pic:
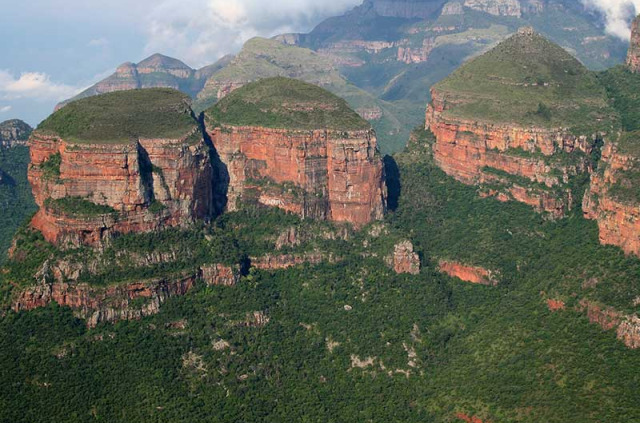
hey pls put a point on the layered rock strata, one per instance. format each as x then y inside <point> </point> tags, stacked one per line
<point>611,199</point>
<point>57,283</point>
<point>321,174</point>
<point>172,175</point>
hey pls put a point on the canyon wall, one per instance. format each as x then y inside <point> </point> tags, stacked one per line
<point>142,185</point>
<point>508,161</point>
<point>633,55</point>
<point>612,201</point>
<point>319,174</point>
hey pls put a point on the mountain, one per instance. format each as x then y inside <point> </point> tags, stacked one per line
<point>156,71</point>
<point>14,132</point>
<point>263,58</point>
<point>297,146</point>
<point>121,162</point>
<point>522,122</point>
<point>396,50</point>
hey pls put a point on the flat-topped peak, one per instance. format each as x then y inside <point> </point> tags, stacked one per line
<point>287,104</point>
<point>123,116</point>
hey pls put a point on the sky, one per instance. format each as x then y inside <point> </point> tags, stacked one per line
<point>52,49</point>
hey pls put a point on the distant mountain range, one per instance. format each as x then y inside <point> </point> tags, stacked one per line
<point>382,56</point>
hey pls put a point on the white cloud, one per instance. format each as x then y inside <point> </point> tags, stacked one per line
<point>618,14</point>
<point>222,26</point>
<point>98,42</point>
<point>5,109</point>
<point>33,85</point>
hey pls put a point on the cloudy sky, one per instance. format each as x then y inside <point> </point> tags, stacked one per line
<point>52,49</point>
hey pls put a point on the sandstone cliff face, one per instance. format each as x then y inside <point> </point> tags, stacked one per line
<point>404,259</point>
<point>472,274</point>
<point>111,304</point>
<point>174,175</point>
<point>509,162</point>
<point>633,56</point>
<point>627,327</point>
<point>617,215</point>
<point>327,175</point>
<point>57,282</point>
<point>14,132</point>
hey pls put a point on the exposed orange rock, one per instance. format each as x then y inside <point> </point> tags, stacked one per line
<point>220,275</point>
<point>470,419</point>
<point>110,304</point>
<point>404,259</point>
<point>618,220</point>
<point>126,177</point>
<point>473,274</point>
<point>321,174</point>
<point>555,305</point>
<point>465,149</point>
<point>633,55</point>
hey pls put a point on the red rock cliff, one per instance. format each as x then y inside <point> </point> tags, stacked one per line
<point>508,161</point>
<point>633,56</point>
<point>609,201</point>
<point>319,174</point>
<point>174,175</point>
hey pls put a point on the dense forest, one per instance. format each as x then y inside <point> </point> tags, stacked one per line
<point>16,201</point>
<point>350,340</point>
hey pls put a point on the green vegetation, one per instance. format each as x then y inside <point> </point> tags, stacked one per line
<point>16,200</point>
<point>494,352</point>
<point>77,206</point>
<point>121,117</point>
<point>51,167</point>
<point>529,80</point>
<point>287,104</point>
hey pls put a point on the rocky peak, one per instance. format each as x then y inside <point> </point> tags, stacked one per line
<point>14,132</point>
<point>633,56</point>
<point>452,8</point>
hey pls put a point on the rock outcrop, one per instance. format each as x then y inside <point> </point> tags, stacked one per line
<point>612,198</point>
<point>90,187</point>
<point>111,304</point>
<point>305,164</point>
<point>633,55</point>
<point>14,132</point>
<point>407,9</point>
<point>473,274</point>
<point>404,259</point>
<point>515,154</point>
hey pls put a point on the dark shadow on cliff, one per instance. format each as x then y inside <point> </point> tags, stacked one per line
<point>392,179</point>
<point>220,172</point>
<point>6,179</point>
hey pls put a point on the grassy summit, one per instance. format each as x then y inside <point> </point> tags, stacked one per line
<point>288,104</point>
<point>122,116</point>
<point>529,80</point>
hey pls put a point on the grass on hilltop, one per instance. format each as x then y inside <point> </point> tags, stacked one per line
<point>288,104</point>
<point>532,81</point>
<point>120,117</point>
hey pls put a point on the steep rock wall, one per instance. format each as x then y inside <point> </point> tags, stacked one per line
<point>175,175</point>
<point>508,161</point>
<point>327,175</point>
<point>618,216</point>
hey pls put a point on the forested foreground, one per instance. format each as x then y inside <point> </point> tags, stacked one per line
<point>351,341</point>
<point>16,201</point>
